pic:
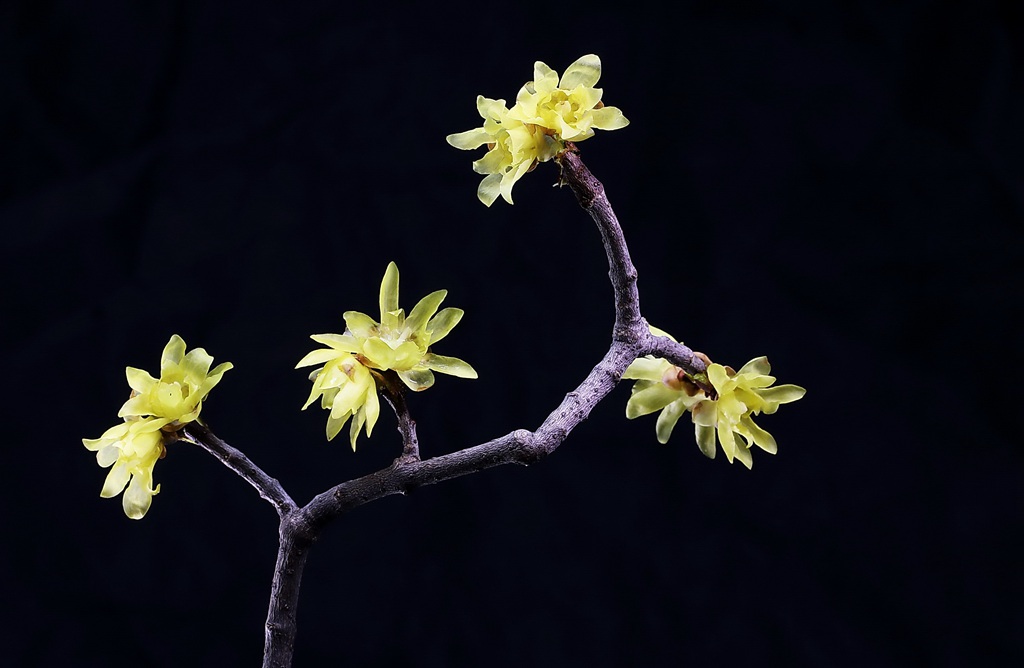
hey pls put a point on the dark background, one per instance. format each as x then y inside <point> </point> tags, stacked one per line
<point>837,185</point>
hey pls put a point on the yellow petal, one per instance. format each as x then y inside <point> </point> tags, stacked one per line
<point>443,323</point>
<point>667,420</point>
<point>417,380</point>
<point>584,72</point>
<point>389,291</point>
<point>469,139</point>
<point>424,309</point>
<point>452,366</point>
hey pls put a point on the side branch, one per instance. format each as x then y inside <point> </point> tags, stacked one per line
<point>269,488</point>
<point>676,353</point>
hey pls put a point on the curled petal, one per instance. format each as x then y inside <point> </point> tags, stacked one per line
<point>667,420</point>
<point>758,366</point>
<point>706,440</point>
<point>139,496</point>
<point>489,189</point>
<point>417,380</point>
<point>609,118</point>
<point>759,436</point>
<point>649,398</point>
<point>783,394</point>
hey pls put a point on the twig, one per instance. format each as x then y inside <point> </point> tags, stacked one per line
<point>394,391</point>
<point>269,488</point>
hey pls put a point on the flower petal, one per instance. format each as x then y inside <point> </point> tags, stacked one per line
<point>343,342</point>
<point>417,379</point>
<point>649,398</point>
<point>469,139</point>
<point>706,440</point>
<point>759,436</point>
<point>424,309</point>
<point>441,324</point>
<point>647,368</point>
<point>584,72</point>
<point>359,324</point>
<point>782,394</point>
<point>452,366</point>
<point>319,356</point>
<point>389,291</point>
<point>489,189</point>
<point>758,366</point>
<point>667,420</point>
<point>173,352</point>
<point>115,481</point>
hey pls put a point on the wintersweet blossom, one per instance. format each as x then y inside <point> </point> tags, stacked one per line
<point>661,386</point>
<point>185,381</point>
<point>548,112</point>
<point>569,106</point>
<point>513,149</point>
<point>346,382</point>
<point>131,450</point>
<point>156,408</point>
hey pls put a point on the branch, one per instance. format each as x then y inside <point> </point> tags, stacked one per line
<point>629,325</point>
<point>269,488</point>
<point>631,338</point>
<point>677,354</point>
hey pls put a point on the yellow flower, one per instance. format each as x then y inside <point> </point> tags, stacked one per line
<point>513,146</point>
<point>185,381</point>
<point>740,394</point>
<point>569,107</point>
<point>665,387</point>
<point>346,388</point>
<point>131,449</point>
<point>397,343</point>
<point>156,406</point>
<point>548,112</point>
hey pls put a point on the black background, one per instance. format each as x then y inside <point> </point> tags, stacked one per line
<point>838,185</point>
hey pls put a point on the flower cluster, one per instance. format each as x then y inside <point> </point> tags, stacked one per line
<point>548,112</point>
<point>346,382</point>
<point>157,406</point>
<point>740,394</point>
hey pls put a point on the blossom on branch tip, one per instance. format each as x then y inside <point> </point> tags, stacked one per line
<point>727,417</point>
<point>157,407</point>
<point>185,381</point>
<point>548,112</point>
<point>346,383</point>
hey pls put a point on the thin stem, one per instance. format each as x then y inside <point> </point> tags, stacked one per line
<point>394,391</point>
<point>269,488</point>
